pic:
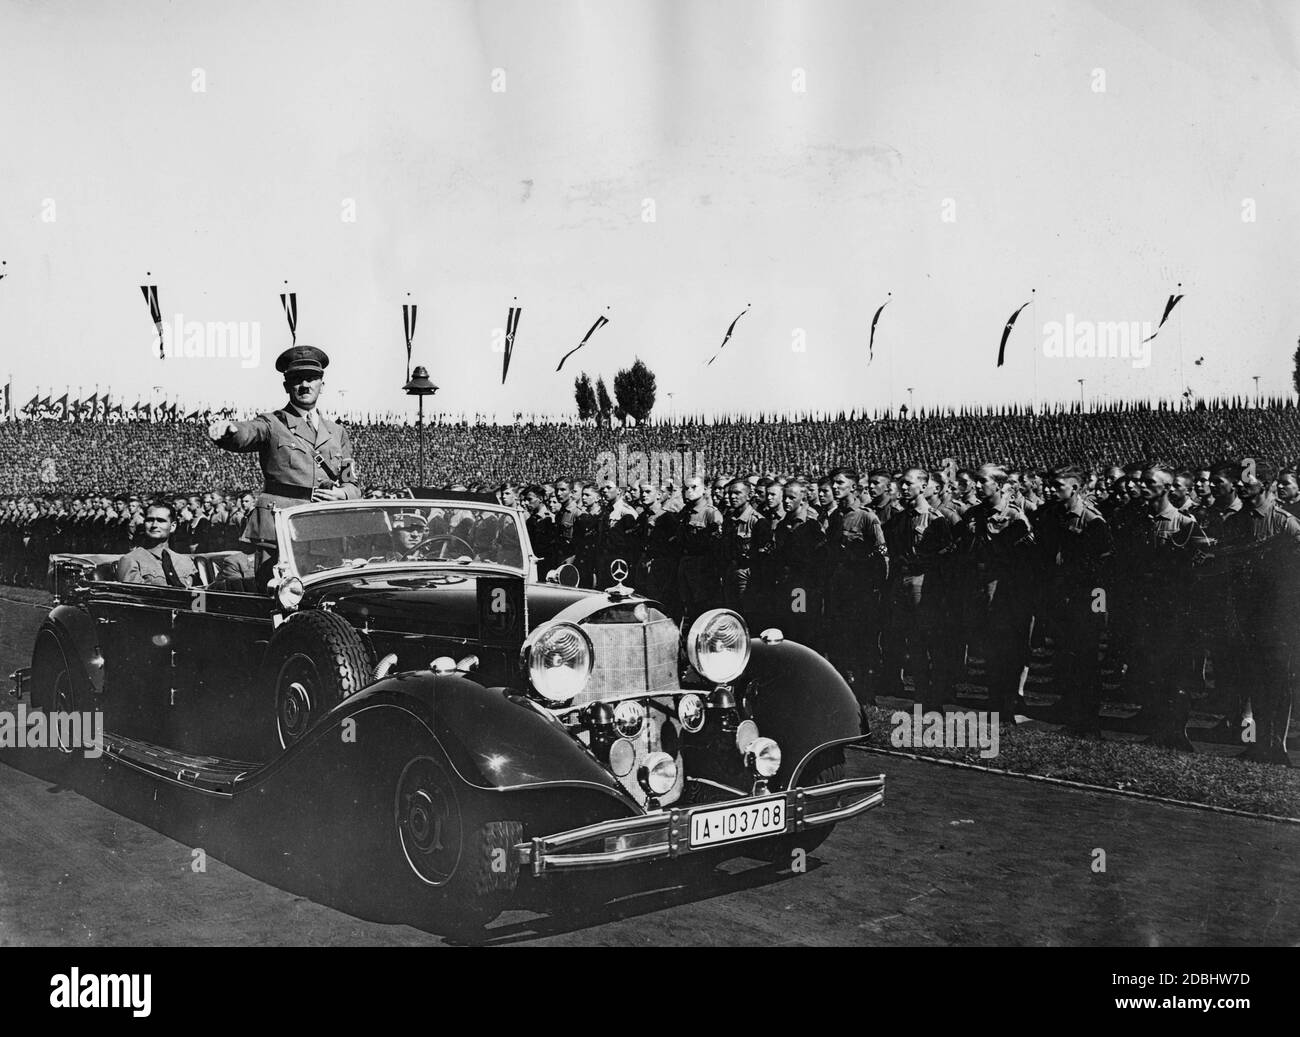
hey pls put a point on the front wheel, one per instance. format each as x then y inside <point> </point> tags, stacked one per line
<point>468,865</point>
<point>783,850</point>
<point>315,661</point>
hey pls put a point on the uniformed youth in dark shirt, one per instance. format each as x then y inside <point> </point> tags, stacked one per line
<point>1077,550</point>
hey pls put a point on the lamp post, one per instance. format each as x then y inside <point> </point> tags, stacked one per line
<point>1080,381</point>
<point>1256,378</point>
<point>911,403</point>
<point>682,447</point>
<point>419,386</point>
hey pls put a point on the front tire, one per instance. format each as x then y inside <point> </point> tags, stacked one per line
<point>782,850</point>
<point>314,662</point>
<point>466,864</point>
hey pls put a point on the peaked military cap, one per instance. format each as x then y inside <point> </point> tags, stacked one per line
<point>302,358</point>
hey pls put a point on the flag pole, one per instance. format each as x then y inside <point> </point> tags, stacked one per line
<point>1033,309</point>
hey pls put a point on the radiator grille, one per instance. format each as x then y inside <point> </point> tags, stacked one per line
<point>631,658</point>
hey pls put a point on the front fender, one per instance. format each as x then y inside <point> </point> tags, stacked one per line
<point>798,698</point>
<point>494,739</point>
<point>79,635</point>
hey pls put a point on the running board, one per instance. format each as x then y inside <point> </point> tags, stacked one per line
<point>210,774</point>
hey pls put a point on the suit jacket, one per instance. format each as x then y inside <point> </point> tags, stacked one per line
<point>295,460</point>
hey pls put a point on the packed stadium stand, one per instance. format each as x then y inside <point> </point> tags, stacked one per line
<point>50,456</point>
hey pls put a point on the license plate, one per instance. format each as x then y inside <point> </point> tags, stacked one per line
<point>727,824</point>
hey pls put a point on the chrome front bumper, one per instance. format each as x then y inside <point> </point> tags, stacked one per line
<point>666,833</point>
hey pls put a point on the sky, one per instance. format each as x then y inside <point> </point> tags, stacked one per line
<point>666,164</point>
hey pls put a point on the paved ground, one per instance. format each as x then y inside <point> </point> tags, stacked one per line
<point>952,857</point>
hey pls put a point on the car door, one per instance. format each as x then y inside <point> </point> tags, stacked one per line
<point>220,641</point>
<point>134,622</point>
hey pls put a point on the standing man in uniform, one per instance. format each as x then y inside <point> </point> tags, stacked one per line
<point>1209,622</point>
<point>304,455</point>
<point>1261,543</point>
<point>738,523</point>
<point>656,576</point>
<point>1156,550</point>
<point>541,529</point>
<point>917,537</point>
<point>998,536</point>
<point>1077,548</point>
<point>857,566</point>
<point>794,601</point>
<point>586,537</point>
<point>699,536</point>
<point>880,499</point>
<point>564,518</point>
<point>617,533</point>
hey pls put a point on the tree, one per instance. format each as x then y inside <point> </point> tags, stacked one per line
<point>635,389</point>
<point>585,396</point>
<point>604,407</point>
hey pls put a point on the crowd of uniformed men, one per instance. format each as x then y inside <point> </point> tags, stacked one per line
<point>1186,574</point>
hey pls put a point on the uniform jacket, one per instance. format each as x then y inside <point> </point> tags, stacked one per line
<point>145,565</point>
<point>917,539</point>
<point>855,549</point>
<point>999,540</point>
<point>564,520</point>
<point>1160,548</point>
<point>699,532</point>
<point>294,457</point>
<point>1261,546</point>
<point>542,537</point>
<point>797,550</point>
<point>1076,545</point>
<point>738,537</point>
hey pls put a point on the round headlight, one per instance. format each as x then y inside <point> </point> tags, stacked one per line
<point>290,593</point>
<point>658,774</point>
<point>764,756</point>
<point>629,718</point>
<point>746,735</point>
<point>718,646</point>
<point>690,711</point>
<point>559,662</point>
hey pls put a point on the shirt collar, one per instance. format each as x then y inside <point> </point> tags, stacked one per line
<point>303,415</point>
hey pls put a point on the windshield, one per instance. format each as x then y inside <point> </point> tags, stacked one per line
<point>334,538</point>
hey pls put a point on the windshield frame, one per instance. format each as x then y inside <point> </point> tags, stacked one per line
<point>283,517</point>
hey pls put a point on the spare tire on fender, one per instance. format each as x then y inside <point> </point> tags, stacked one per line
<point>314,661</point>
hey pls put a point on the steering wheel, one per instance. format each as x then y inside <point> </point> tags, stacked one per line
<point>469,549</point>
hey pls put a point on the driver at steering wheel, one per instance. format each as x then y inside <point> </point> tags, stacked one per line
<point>409,528</point>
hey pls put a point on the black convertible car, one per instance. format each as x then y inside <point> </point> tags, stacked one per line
<point>435,722</point>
